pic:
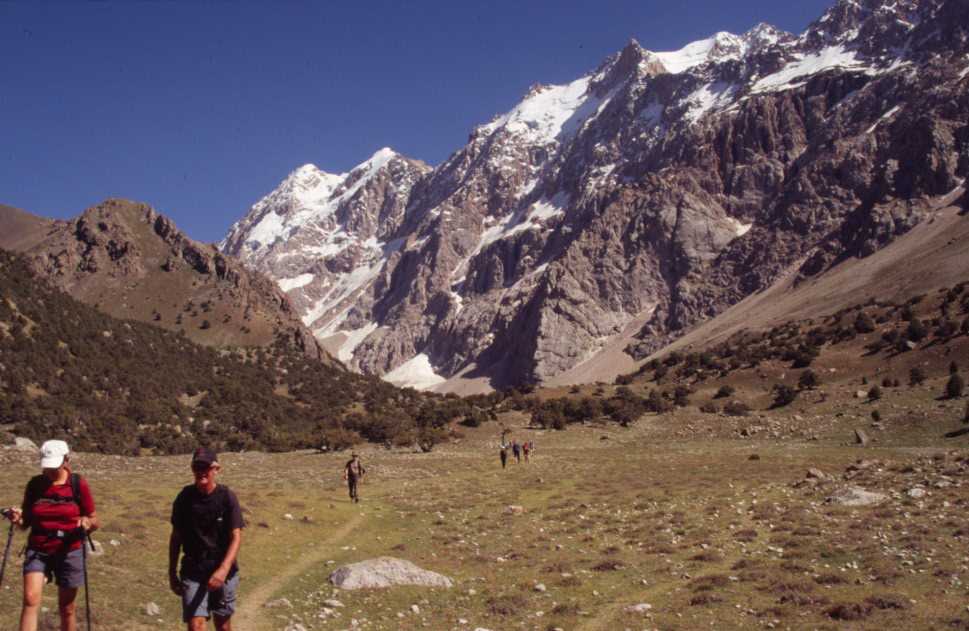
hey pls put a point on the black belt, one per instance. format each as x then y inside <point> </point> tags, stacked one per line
<point>57,534</point>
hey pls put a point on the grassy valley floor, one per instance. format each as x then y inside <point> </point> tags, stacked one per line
<point>710,530</point>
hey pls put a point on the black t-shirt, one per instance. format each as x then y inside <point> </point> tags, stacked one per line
<point>355,471</point>
<point>205,524</point>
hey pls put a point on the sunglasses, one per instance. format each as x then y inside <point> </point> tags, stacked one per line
<point>201,467</point>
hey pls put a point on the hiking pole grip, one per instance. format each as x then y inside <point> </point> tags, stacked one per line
<point>6,553</point>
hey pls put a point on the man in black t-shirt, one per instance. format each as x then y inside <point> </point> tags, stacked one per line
<point>353,472</point>
<point>207,526</point>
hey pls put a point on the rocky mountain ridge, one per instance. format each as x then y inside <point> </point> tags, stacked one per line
<point>636,201</point>
<point>131,262</point>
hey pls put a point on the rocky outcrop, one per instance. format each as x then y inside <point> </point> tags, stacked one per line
<point>652,193</point>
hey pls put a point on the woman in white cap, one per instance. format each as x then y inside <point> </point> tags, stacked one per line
<point>58,508</point>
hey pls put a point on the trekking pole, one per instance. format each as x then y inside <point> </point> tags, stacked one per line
<point>85,541</point>
<point>6,551</point>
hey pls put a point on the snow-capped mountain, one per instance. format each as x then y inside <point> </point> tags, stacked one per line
<point>325,237</point>
<point>637,200</point>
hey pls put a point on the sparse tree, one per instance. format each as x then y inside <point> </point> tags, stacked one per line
<point>709,408</point>
<point>953,368</point>
<point>808,380</point>
<point>736,408</point>
<point>681,396</point>
<point>875,393</point>
<point>724,392</point>
<point>863,323</point>
<point>916,376</point>
<point>916,331</point>
<point>783,395</point>
<point>955,386</point>
<point>876,415</point>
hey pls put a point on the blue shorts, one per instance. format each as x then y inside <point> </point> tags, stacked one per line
<point>198,602</point>
<point>68,569</point>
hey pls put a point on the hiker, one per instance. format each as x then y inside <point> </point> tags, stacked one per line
<point>526,447</point>
<point>59,510</point>
<point>516,450</point>
<point>353,472</point>
<point>503,453</point>
<point>207,526</point>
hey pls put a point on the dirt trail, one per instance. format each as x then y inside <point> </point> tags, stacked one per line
<point>249,614</point>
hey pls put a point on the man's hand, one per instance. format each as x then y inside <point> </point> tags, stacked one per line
<point>217,580</point>
<point>175,584</point>
<point>85,523</point>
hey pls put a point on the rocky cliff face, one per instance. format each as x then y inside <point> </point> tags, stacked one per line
<point>131,262</point>
<point>645,196</point>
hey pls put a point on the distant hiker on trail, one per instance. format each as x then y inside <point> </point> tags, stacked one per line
<point>503,453</point>
<point>353,472</point>
<point>517,451</point>
<point>59,510</point>
<point>207,526</point>
<point>526,448</point>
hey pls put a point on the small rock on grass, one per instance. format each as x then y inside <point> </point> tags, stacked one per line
<point>279,603</point>
<point>640,608</point>
<point>152,609</point>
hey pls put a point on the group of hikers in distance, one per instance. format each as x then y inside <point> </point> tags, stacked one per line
<point>518,450</point>
<point>58,508</point>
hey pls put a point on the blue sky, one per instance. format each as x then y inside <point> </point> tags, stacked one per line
<point>201,108</point>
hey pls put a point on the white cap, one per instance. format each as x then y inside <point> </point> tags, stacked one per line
<point>52,454</point>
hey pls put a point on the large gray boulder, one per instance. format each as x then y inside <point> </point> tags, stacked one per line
<point>385,572</point>
<point>856,496</point>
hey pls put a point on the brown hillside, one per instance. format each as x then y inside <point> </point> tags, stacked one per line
<point>131,262</point>
<point>19,230</point>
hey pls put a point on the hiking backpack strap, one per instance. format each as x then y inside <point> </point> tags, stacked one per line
<point>76,490</point>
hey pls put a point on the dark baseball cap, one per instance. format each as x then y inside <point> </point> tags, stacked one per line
<point>204,455</point>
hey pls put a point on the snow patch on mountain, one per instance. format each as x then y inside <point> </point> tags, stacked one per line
<point>417,373</point>
<point>887,115</point>
<point>739,228</point>
<point>288,284</point>
<point>548,112</point>
<point>807,66</point>
<point>709,97</point>
<point>353,339</point>
<point>721,46</point>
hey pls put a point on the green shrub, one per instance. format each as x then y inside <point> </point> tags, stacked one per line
<point>783,395</point>
<point>736,408</point>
